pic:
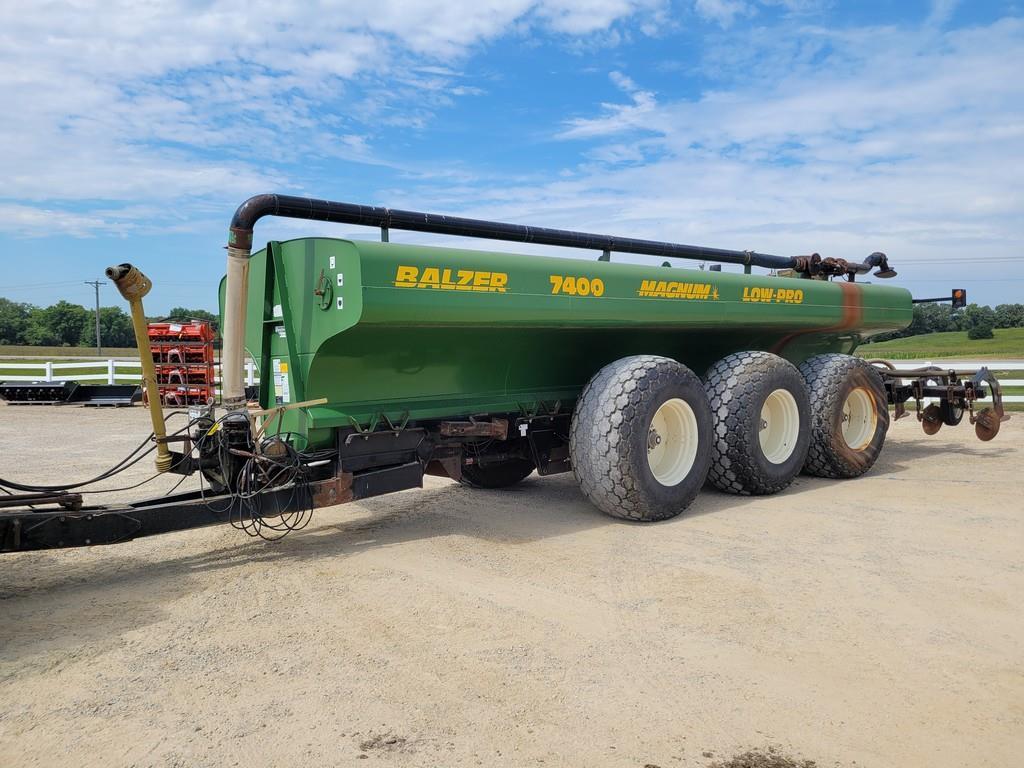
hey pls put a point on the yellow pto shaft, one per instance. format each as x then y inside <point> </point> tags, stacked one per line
<point>133,285</point>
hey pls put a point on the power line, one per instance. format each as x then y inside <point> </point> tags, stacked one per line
<point>36,285</point>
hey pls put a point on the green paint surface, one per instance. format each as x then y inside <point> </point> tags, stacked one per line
<point>468,332</point>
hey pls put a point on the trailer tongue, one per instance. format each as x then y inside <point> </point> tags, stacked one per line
<point>382,362</point>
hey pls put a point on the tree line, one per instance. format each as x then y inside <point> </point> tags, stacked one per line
<point>71,325</point>
<point>978,320</point>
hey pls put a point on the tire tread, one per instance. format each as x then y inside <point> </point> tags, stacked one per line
<point>826,376</point>
<point>603,433</point>
<point>731,385</point>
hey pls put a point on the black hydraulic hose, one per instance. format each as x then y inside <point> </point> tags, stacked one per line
<point>288,206</point>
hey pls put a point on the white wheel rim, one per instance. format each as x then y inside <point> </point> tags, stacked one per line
<point>780,426</point>
<point>672,442</point>
<point>859,419</point>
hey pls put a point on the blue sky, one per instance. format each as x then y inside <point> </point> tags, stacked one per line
<point>132,130</point>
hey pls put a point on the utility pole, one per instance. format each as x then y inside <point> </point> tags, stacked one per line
<point>96,284</point>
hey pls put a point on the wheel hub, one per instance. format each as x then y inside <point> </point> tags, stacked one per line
<point>859,419</point>
<point>780,426</point>
<point>672,442</point>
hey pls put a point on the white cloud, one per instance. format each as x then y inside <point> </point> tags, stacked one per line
<point>894,140</point>
<point>841,140</point>
<point>177,101</point>
<point>724,12</point>
<point>583,17</point>
<point>617,117</point>
<point>941,12</point>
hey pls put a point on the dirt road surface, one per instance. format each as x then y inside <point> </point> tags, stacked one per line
<point>874,622</point>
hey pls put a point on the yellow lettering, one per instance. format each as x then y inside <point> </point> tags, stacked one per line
<point>450,279</point>
<point>406,275</point>
<point>672,289</point>
<point>581,286</point>
<point>431,278</point>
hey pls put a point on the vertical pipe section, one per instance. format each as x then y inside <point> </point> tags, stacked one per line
<point>133,285</point>
<point>236,297</point>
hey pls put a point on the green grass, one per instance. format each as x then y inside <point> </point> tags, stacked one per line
<point>1007,344</point>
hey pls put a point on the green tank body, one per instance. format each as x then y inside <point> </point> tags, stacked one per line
<point>394,332</point>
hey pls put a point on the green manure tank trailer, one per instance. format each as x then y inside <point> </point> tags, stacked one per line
<point>380,362</point>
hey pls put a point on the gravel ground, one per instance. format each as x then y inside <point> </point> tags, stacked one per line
<point>874,622</point>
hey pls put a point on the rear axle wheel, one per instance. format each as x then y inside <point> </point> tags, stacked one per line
<point>849,415</point>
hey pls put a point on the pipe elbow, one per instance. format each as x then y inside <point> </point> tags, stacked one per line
<point>881,262</point>
<point>245,218</point>
<point>252,210</point>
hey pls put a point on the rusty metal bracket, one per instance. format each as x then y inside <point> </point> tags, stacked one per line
<point>496,428</point>
<point>987,421</point>
<point>334,490</point>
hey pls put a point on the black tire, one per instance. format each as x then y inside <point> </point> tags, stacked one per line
<point>499,475</point>
<point>738,388</point>
<point>831,381</point>
<point>611,433</point>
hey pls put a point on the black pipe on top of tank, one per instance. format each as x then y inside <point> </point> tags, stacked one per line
<point>288,206</point>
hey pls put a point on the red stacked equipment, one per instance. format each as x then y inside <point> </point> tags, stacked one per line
<point>183,356</point>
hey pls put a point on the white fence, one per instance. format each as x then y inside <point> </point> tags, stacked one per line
<point>107,371</point>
